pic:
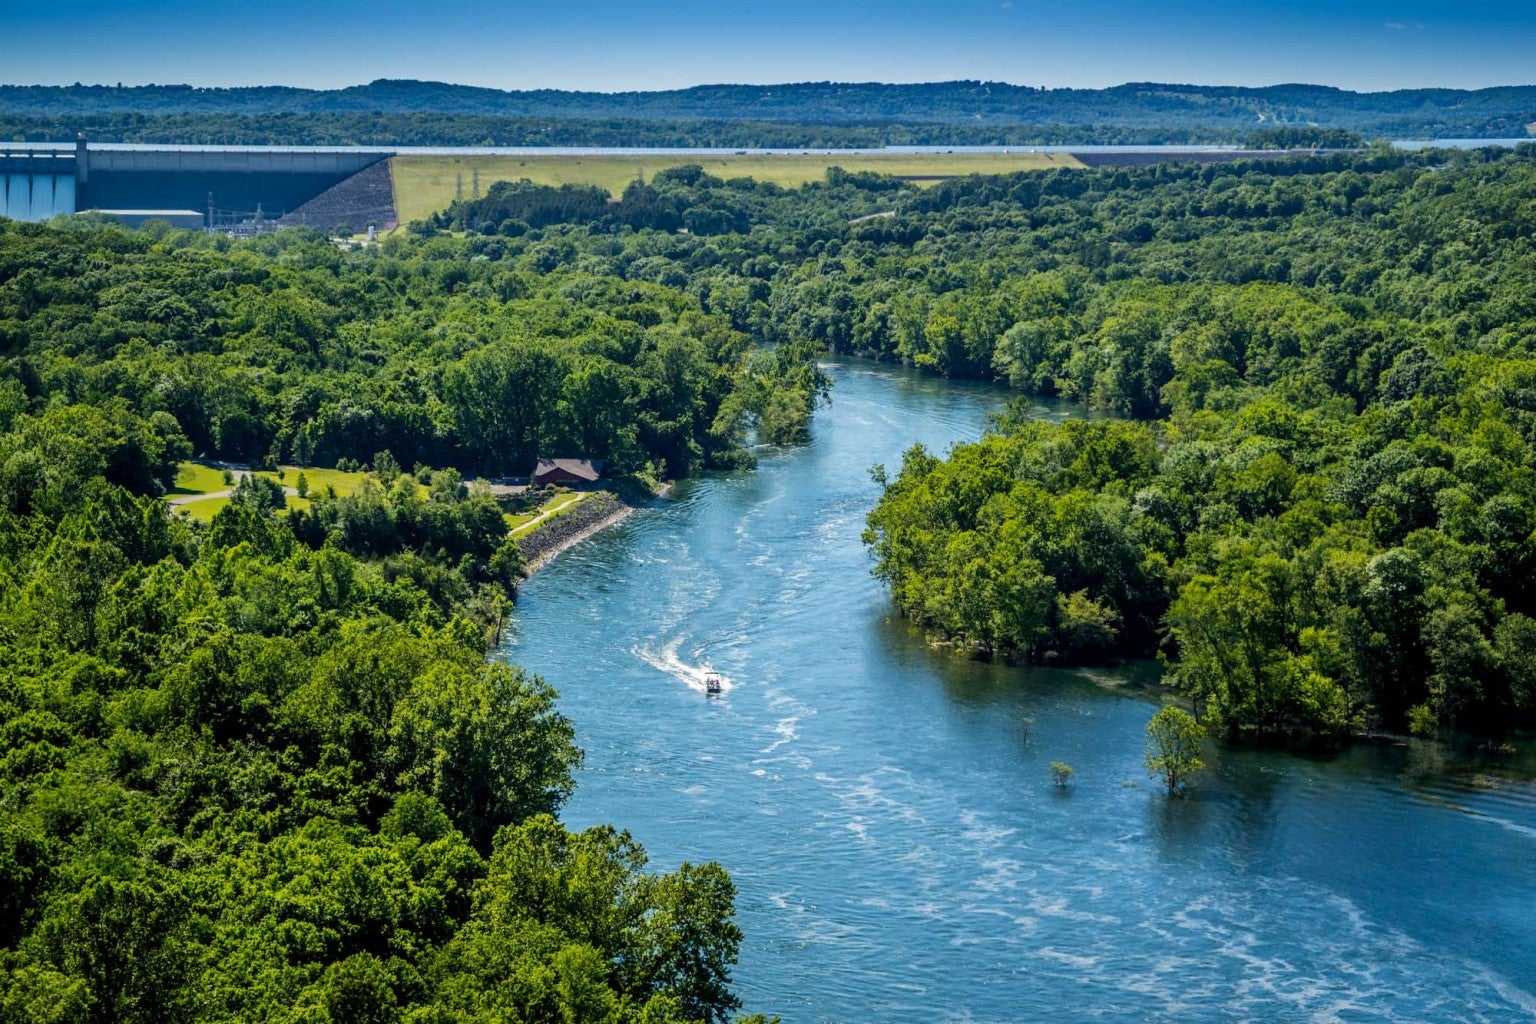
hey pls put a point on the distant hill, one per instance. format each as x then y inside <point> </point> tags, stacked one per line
<point>1502,111</point>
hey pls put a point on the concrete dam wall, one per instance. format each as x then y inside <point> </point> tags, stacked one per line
<point>38,182</point>
<point>36,185</point>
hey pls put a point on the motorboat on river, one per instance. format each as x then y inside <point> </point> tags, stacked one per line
<point>712,685</point>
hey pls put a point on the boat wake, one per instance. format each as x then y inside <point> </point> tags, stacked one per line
<point>668,661</point>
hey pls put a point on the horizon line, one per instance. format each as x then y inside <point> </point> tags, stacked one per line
<point>763,85</point>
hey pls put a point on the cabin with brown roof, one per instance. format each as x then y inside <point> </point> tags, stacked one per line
<point>572,472</point>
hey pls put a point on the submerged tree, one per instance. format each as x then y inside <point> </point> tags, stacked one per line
<point>1174,744</point>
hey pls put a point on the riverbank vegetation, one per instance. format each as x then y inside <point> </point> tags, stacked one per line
<point>1319,506</point>
<point>1316,500</point>
<point>480,353</point>
<point>261,767</point>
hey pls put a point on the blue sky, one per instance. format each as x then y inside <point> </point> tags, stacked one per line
<point>646,44</point>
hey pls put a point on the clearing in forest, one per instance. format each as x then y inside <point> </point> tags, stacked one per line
<point>426,184</point>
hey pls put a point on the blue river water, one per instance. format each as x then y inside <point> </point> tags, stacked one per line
<point>886,810</point>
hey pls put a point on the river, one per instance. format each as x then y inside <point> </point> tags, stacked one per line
<point>886,808</point>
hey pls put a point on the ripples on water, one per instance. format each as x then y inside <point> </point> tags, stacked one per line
<point>887,813</point>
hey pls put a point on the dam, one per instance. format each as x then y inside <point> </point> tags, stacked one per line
<point>37,184</point>
<point>220,184</point>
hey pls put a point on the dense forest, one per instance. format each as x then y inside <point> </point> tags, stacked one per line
<point>1315,496</point>
<point>1137,104</point>
<point>432,129</point>
<point>261,769</point>
<point>435,129</point>
<point>812,114</point>
<point>1319,499</point>
<point>480,354</point>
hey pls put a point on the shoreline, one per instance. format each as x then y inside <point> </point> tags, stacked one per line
<point>609,518</point>
<point>564,532</point>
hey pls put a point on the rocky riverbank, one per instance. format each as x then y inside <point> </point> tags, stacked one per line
<point>595,513</point>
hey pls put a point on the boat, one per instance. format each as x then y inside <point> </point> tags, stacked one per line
<point>712,685</point>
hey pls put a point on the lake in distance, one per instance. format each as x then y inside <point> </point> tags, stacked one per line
<point>886,808</point>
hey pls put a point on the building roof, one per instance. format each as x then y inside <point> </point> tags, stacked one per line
<point>150,213</point>
<point>583,469</point>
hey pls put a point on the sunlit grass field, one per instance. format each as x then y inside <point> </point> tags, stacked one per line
<point>319,480</point>
<point>203,511</point>
<point>196,478</point>
<point>425,184</point>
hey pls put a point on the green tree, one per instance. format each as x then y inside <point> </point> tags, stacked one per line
<point>486,743</point>
<point>1175,743</point>
<point>386,466</point>
<point>129,941</point>
<point>689,941</point>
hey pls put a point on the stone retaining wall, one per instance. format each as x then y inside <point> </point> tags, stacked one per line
<point>563,530</point>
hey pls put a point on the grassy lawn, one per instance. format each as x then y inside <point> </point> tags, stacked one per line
<point>319,480</point>
<point>196,478</point>
<point>424,184</point>
<point>203,511</point>
<point>514,521</point>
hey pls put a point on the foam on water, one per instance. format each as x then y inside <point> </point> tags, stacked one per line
<point>693,676</point>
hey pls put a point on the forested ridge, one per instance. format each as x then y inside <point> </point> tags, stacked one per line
<point>1145,104</point>
<point>435,129</point>
<point>813,114</point>
<point>392,130</point>
<point>262,769</point>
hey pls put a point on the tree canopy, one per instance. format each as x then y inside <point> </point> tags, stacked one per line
<point>1317,503</point>
<point>261,768</point>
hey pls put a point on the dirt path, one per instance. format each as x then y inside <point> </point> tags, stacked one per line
<point>545,513</point>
